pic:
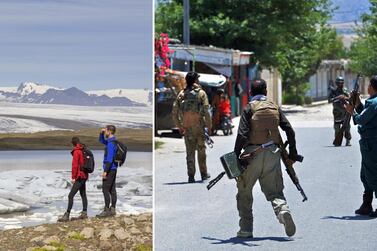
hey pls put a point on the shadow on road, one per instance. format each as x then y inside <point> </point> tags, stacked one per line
<point>246,242</point>
<point>354,217</point>
<point>182,183</point>
<point>233,240</point>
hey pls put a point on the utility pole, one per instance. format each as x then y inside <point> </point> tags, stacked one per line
<point>186,28</point>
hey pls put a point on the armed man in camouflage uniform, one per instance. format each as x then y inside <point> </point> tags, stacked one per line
<point>259,124</point>
<point>338,97</point>
<point>191,116</point>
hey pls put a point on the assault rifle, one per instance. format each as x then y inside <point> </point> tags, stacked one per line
<point>208,139</point>
<point>232,166</point>
<point>339,136</point>
<point>290,170</point>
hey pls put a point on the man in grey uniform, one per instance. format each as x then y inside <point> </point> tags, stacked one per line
<point>258,125</point>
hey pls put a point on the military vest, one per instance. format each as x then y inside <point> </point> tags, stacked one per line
<point>190,101</point>
<point>264,122</point>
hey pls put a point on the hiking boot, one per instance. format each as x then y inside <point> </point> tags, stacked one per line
<point>205,176</point>
<point>105,213</point>
<point>366,207</point>
<point>191,179</point>
<point>64,217</point>
<point>244,234</point>
<point>348,142</point>
<point>113,211</point>
<point>285,218</point>
<point>83,215</point>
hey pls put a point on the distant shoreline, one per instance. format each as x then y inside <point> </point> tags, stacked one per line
<point>137,140</point>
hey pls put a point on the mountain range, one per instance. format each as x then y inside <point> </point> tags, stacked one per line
<point>29,92</point>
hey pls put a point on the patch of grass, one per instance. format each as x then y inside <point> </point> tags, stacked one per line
<point>57,245</point>
<point>77,236</point>
<point>143,247</point>
<point>158,144</point>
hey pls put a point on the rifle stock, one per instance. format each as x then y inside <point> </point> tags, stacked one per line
<point>339,136</point>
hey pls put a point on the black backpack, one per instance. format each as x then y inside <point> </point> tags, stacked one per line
<point>121,153</point>
<point>88,166</point>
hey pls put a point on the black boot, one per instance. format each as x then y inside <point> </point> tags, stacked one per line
<point>373,214</point>
<point>366,207</point>
<point>191,179</point>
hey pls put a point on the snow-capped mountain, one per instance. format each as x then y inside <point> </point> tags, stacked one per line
<point>30,92</point>
<point>143,96</point>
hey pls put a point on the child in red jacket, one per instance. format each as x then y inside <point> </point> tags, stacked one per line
<point>79,179</point>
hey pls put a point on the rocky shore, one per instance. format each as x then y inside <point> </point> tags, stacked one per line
<point>123,232</point>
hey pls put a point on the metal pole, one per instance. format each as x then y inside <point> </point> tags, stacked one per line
<point>186,28</point>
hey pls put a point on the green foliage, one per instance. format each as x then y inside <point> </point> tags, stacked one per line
<point>363,53</point>
<point>77,236</point>
<point>291,35</point>
<point>158,144</point>
<point>143,247</point>
<point>296,94</point>
<point>57,245</point>
<point>169,19</point>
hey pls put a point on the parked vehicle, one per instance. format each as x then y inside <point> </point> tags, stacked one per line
<point>167,89</point>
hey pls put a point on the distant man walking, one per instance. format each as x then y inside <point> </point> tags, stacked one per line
<point>191,116</point>
<point>107,138</point>
<point>259,124</point>
<point>365,116</point>
<point>338,97</point>
<point>79,178</point>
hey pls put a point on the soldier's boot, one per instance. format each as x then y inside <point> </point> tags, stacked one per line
<point>286,219</point>
<point>83,216</point>
<point>244,234</point>
<point>105,213</point>
<point>64,217</point>
<point>348,142</point>
<point>205,176</point>
<point>373,214</point>
<point>366,207</point>
<point>191,179</point>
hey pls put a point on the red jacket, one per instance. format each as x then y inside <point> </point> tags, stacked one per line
<point>224,107</point>
<point>77,163</point>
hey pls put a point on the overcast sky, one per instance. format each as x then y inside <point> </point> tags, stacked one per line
<point>90,44</point>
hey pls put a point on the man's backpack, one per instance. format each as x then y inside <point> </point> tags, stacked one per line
<point>120,154</point>
<point>88,166</point>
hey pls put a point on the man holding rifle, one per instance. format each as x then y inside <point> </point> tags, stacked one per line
<point>338,97</point>
<point>191,116</point>
<point>365,116</point>
<point>258,125</point>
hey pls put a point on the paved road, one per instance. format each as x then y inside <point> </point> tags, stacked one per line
<point>188,217</point>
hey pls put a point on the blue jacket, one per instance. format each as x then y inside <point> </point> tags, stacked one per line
<point>110,151</point>
<point>366,118</point>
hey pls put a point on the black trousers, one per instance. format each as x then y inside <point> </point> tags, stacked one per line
<point>109,189</point>
<point>79,185</point>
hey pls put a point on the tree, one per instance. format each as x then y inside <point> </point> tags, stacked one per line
<point>290,35</point>
<point>363,53</point>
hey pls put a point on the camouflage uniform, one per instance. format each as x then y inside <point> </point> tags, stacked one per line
<point>190,113</point>
<point>259,124</point>
<point>339,111</point>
